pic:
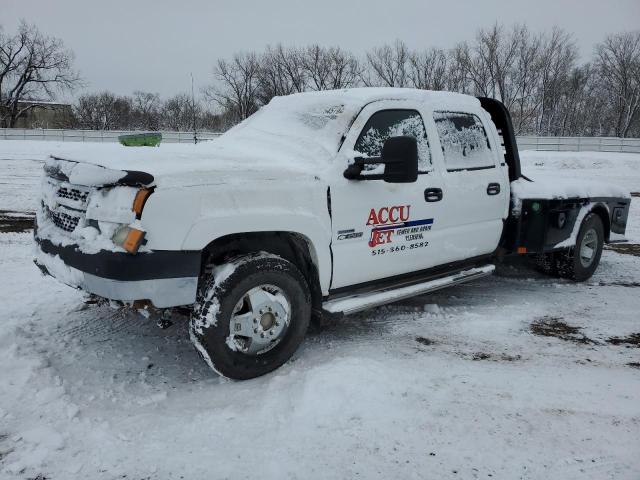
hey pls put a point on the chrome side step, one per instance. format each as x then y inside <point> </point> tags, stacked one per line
<point>358,302</point>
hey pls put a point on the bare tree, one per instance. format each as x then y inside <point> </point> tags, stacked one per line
<point>559,80</point>
<point>103,111</point>
<point>146,110</point>
<point>429,69</point>
<point>387,66</point>
<point>330,68</point>
<point>237,88</point>
<point>618,65</point>
<point>32,65</point>
<point>179,111</point>
<point>282,72</point>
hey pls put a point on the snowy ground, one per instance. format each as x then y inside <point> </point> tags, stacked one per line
<point>486,380</point>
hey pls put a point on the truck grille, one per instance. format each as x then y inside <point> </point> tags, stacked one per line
<point>73,194</point>
<point>65,204</point>
<point>64,221</point>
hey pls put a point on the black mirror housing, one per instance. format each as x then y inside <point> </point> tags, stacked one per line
<point>400,159</point>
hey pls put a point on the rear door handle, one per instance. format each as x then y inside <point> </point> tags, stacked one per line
<point>493,189</point>
<point>433,195</point>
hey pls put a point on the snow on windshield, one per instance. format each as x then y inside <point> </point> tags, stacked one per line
<point>463,140</point>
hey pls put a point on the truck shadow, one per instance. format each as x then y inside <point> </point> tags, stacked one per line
<point>16,222</point>
<point>120,347</point>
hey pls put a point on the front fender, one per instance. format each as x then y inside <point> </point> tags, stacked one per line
<point>192,218</point>
<point>316,234</point>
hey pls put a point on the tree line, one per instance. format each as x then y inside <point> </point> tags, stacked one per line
<point>540,77</point>
<point>145,111</point>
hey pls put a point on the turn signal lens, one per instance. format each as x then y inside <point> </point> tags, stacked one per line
<point>138,202</point>
<point>128,238</point>
<point>133,241</point>
<point>522,250</point>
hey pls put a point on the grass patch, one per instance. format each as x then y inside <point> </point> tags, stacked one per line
<point>556,327</point>
<point>625,248</point>
<point>632,340</point>
<point>424,341</point>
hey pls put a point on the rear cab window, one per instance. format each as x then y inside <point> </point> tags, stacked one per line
<point>464,141</point>
<point>393,123</point>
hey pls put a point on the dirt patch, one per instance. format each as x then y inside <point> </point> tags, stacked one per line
<point>16,222</point>
<point>632,340</point>
<point>510,358</point>
<point>4,453</point>
<point>481,356</point>
<point>556,327</point>
<point>625,248</point>
<point>620,284</point>
<point>634,364</point>
<point>424,341</point>
<point>489,356</point>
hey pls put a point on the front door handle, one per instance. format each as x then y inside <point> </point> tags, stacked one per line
<point>493,189</point>
<point>433,195</point>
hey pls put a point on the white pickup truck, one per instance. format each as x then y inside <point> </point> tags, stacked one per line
<point>320,203</point>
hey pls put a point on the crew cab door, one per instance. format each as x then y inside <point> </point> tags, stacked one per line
<point>475,182</point>
<point>383,229</point>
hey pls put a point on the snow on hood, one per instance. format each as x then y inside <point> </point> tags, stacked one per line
<point>296,136</point>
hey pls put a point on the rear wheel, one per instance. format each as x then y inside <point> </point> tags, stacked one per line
<point>251,315</point>
<point>580,262</point>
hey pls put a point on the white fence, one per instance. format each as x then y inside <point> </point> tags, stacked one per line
<point>59,135</point>
<point>556,144</point>
<point>580,144</point>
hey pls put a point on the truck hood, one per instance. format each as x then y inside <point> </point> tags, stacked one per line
<point>212,162</point>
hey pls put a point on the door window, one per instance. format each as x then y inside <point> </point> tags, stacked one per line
<point>464,141</point>
<point>393,123</point>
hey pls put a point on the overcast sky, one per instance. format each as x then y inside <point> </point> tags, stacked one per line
<point>152,45</point>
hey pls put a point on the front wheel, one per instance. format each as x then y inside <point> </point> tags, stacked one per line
<point>580,262</point>
<point>251,315</point>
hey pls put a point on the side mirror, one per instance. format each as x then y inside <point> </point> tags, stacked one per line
<point>400,160</point>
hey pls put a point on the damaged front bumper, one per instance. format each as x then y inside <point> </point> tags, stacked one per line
<point>165,278</point>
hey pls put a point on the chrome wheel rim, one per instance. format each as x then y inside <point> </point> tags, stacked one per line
<point>588,248</point>
<point>260,320</point>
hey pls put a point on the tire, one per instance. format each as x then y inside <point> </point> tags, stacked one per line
<point>267,300</point>
<point>575,263</point>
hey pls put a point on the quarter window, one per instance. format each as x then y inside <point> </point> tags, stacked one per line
<point>393,123</point>
<point>464,141</point>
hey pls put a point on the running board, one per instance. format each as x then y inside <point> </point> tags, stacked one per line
<point>358,302</point>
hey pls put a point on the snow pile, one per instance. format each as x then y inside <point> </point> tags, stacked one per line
<point>551,187</point>
<point>84,173</point>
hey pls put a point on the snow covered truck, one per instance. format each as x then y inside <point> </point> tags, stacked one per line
<point>322,203</point>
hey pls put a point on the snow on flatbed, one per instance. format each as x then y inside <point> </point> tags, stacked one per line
<point>513,376</point>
